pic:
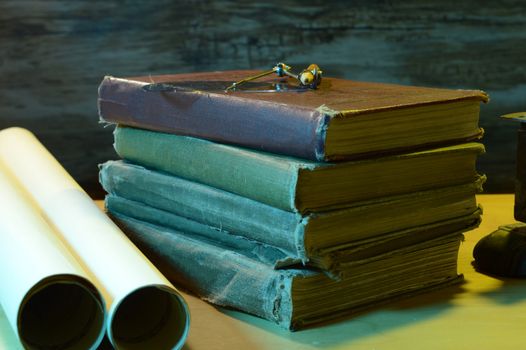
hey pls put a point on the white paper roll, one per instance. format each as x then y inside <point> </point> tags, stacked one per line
<point>47,297</point>
<point>144,310</point>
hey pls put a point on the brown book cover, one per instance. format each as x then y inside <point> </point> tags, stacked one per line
<point>341,119</point>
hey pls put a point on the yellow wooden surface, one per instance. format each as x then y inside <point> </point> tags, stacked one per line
<point>483,313</point>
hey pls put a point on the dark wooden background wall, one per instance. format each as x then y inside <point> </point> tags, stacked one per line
<point>53,55</point>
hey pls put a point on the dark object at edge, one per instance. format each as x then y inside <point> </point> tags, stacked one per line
<point>520,181</point>
<point>503,252</point>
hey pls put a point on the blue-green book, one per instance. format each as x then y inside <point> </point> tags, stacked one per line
<point>294,184</point>
<point>325,240</point>
<point>293,298</point>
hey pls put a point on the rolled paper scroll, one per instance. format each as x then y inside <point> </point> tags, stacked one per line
<point>47,297</point>
<point>144,310</point>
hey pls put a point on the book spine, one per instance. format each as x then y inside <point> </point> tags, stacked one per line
<point>221,117</point>
<point>216,274</point>
<point>221,210</point>
<point>267,254</point>
<point>265,179</point>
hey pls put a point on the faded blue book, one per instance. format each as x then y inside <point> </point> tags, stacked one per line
<point>293,298</point>
<point>312,237</point>
<point>293,184</point>
<point>256,250</point>
<point>334,264</point>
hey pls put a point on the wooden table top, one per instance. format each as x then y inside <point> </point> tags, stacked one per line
<point>483,313</point>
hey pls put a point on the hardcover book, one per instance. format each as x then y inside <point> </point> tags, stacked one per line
<point>318,238</point>
<point>294,298</point>
<point>294,184</point>
<point>341,119</point>
<point>333,262</point>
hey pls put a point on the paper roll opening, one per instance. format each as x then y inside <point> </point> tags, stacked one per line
<point>153,317</point>
<point>65,313</point>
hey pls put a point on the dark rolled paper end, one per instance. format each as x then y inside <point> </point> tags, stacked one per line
<point>153,317</point>
<point>62,312</point>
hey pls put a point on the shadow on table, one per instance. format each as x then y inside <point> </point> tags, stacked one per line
<point>106,345</point>
<point>510,291</point>
<point>358,325</point>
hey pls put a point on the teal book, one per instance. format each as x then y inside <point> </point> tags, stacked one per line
<point>334,263</point>
<point>172,201</point>
<point>293,298</point>
<point>294,184</point>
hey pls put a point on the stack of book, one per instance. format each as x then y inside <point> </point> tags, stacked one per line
<point>298,207</point>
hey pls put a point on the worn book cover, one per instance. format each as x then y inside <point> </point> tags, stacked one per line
<point>294,298</point>
<point>294,184</point>
<point>187,206</point>
<point>332,261</point>
<point>340,119</point>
